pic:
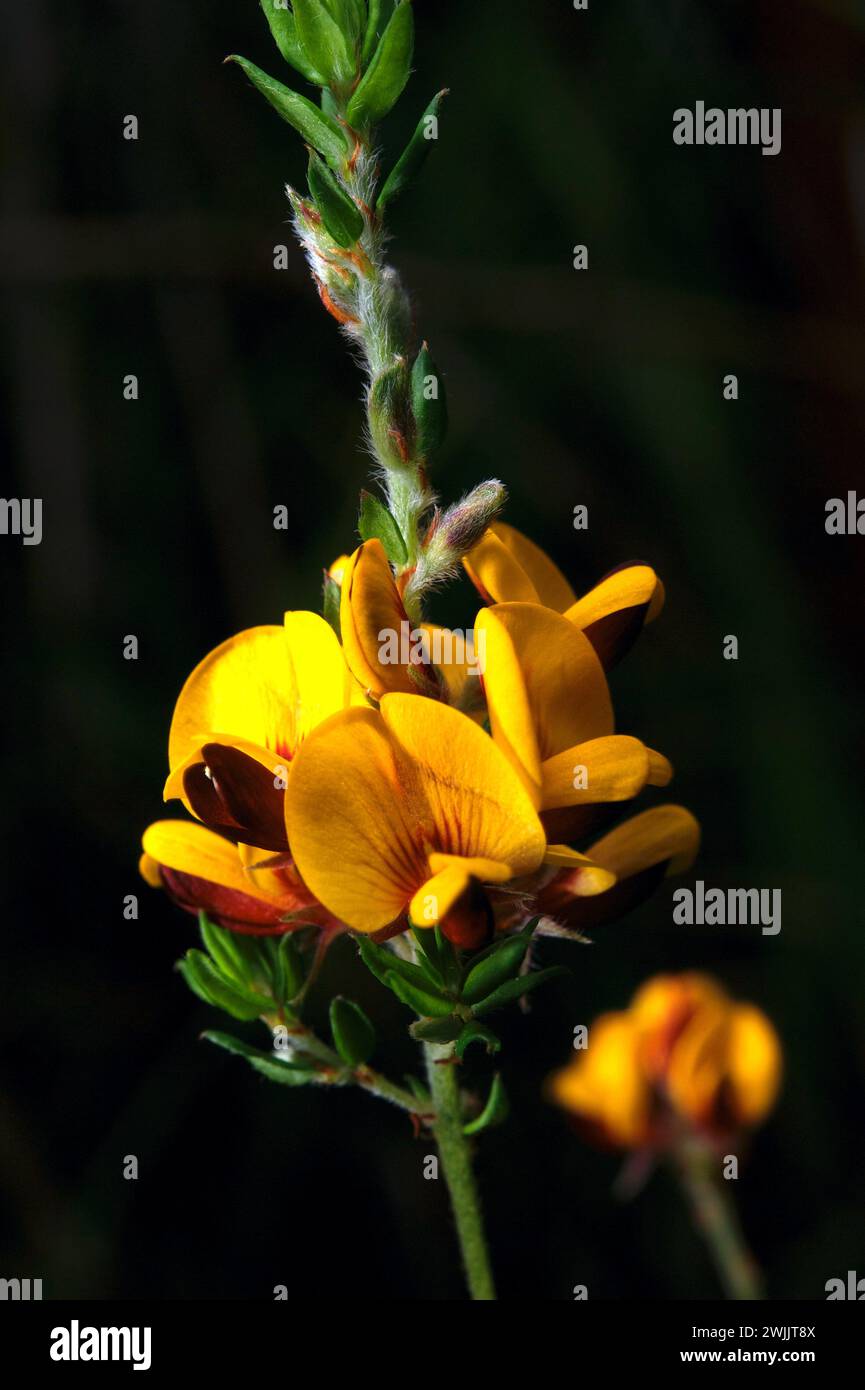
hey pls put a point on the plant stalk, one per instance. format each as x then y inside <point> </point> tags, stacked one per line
<point>455,1156</point>
<point>715,1216</point>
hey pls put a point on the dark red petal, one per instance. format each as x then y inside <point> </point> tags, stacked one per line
<point>556,901</point>
<point>248,793</point>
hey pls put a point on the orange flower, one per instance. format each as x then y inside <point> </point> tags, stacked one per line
<point>682,1056</point>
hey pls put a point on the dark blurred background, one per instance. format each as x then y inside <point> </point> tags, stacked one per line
<point>603,387</point>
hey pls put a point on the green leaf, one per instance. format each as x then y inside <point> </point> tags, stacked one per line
<point>506,993</point>
<point>423,1002</point>
<point>437,1030</point>
<point>324,42</point>
<point>500,965</point>
<point>339,213</point>
<point>477,1033</point>
<point>284,31</point>
<point>383,964</point>
<point>413,157</point>
<point>495,1112</point>
<point>330,603</point>
<point>353,1034</point>
<point>242,958</point>
<point>284,1073</point>
<point>317,128</point>
<point>205,980</point>
<point>429,403</point>
<point>376,522</point>
<point>388,71</point>
<point>289,969</point>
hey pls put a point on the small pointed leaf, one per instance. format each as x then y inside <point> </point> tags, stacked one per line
<point>317,128</point>
<point>266,1064</point>
<point>414,156</point>
<point>477,1033</point>
<point>495,1112</point>
<point>506,993</point>
<point>376,522</point>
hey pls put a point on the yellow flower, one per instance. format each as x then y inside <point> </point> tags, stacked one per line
<point>551,714</point>
<point>505,566</point>
<point>683,1054</point>
<point>240,718</point>
<point>399,813</point>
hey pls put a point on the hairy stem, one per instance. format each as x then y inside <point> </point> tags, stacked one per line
<point>456,1164</point>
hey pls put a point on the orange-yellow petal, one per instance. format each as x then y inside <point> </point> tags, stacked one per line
<point>374,795</point>
<point>190,848</point>
<point>509,567</point>
<point>604,1085</point>
<point>372,615</point>
<point>754,1064</point>
<point>244,689</point>
<point>614,768</point>
<point>545,688</point>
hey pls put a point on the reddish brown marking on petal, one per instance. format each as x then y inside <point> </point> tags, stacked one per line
<point>470,923</point>
<point>237,909</point>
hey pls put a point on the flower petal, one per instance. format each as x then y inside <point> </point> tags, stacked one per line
<point>604,1085</point>
<point>245,690</point>
<point>545,687</point>
<point>523,573</point>
<point>613,613</point>
<point>754,1064</point>
<point>640,852</point>
<point>371,608</point>
<point>614,768</point>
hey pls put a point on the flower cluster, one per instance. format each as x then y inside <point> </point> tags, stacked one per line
<point>335,789</point>
<point>683,1058</point>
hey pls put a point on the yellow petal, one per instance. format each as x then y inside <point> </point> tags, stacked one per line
<point>632,586</point>
<point>370,609</point>
<point>614,768</point>
<point>496,573</point>
<point>243,689</point>
<point>373,795</point>
<point>149,870</point>
<point>487,870</point>
<point>523,574</point>
<point>435,898</point>
<point>338,568</point>
<point>698,1062</point>
<point>473,802</point>
<point>545,687</point>
<point>754,1064</point>
<point>588,879</point>
<point>665,833</point>
<point>322,681</point>
<point>190,848</point>
<point>614,612</point>
<point>605,1085</point>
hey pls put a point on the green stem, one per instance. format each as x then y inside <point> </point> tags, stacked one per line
<point>455,1158</point>
<point>304,1040</point>
<point>715,1216</point>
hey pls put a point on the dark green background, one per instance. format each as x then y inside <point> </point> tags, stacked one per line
<point>601,388</point>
